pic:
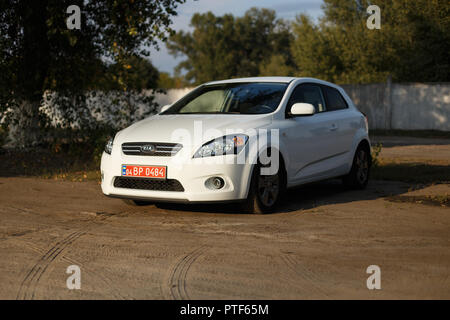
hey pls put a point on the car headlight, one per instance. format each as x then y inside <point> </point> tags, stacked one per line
<point>230,144</point>
<point>109,146</point>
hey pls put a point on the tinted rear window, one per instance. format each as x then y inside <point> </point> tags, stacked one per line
<point>335,101</point>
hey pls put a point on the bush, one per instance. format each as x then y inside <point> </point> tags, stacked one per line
<point>376,149</point>
<point>81,145</point>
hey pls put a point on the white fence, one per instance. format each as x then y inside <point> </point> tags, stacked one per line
<point>416,106</point>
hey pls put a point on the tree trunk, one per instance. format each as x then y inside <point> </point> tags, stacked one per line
<point>24,128</point>
<point>32,73</point>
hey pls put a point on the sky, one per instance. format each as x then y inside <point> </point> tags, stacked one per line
<point>286,9</point>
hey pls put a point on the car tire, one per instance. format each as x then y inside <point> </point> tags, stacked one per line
<point>360,171</point>
<point>265,192</point>
<point>136,203</point>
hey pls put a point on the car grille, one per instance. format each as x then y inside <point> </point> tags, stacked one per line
<point>148,184</point>
<point>155,149</point>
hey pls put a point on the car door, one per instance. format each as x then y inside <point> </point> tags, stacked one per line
<point>309,138</point>
<point>346,123</point>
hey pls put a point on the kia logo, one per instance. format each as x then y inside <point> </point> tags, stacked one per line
<point>148,148</point>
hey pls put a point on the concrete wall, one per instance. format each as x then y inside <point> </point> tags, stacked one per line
<point>421,106</point>
<point>372,99</point>
<point>414,106</point>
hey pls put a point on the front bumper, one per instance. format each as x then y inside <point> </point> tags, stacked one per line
<point>192,175</point>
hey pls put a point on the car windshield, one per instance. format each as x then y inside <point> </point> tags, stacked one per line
<point>231,98</point>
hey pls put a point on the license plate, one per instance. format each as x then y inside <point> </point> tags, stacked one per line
<point>158,172</point>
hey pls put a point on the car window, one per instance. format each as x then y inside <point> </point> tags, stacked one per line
<point>211,101</point>
<point>308,93</point>
<point>232,98</point>
<point>335,101</point>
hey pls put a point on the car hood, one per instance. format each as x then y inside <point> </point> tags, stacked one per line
<point>166,128</point>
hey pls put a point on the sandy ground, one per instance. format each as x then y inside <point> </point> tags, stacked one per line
<point>412,149</point>
<point>430,154</point>
<point>318,245</point>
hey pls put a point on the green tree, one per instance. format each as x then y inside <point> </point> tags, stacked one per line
<point>314,51</point>
<point>228,47</point>
<point>276,66</point>
<point>412,45</point>
<point>166,81</point>
<point>261,36</point>
<point>210,48</point>
<point>38,52</point>
<point>132,73</point>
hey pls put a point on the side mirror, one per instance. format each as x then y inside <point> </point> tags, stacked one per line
<point>164,108</point>
<point>302,109</point>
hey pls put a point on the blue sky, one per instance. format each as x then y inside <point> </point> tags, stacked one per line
<point>286,9</point>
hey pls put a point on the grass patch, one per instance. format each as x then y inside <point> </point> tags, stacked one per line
<point>50,164</point>
<point>435,134</point>
<point>440,200</point>
<point>411,172</point>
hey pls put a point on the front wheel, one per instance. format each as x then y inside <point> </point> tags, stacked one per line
<point>265,192</point>
<point>359,174</point>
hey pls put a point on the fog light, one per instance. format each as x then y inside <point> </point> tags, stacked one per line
<point>218,183</point>
<point>215,183</point>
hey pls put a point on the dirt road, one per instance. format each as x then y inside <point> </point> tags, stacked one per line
<point>318,246</point>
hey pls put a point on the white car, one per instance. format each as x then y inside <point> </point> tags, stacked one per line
<point>243,140</point>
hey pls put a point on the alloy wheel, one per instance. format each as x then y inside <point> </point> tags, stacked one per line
<point>362,166</point>
<point>268,189</point>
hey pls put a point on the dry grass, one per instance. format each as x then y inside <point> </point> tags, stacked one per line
<point>438,200</point>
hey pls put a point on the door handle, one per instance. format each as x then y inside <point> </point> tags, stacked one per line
<point>333,127</point>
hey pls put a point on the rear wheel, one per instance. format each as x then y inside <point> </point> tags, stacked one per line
<point>265,191</point>
<point>359,174</point>
<point>136,203</point>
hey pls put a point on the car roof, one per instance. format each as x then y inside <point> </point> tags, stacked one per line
<point>267,79</point>
<point>255,79</point>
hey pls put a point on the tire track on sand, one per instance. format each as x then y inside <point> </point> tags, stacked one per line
<point>28,286</point>
<point>27,289</point>
<point>100,279</point>
<point>310,281</point>
<point>177,276</point>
